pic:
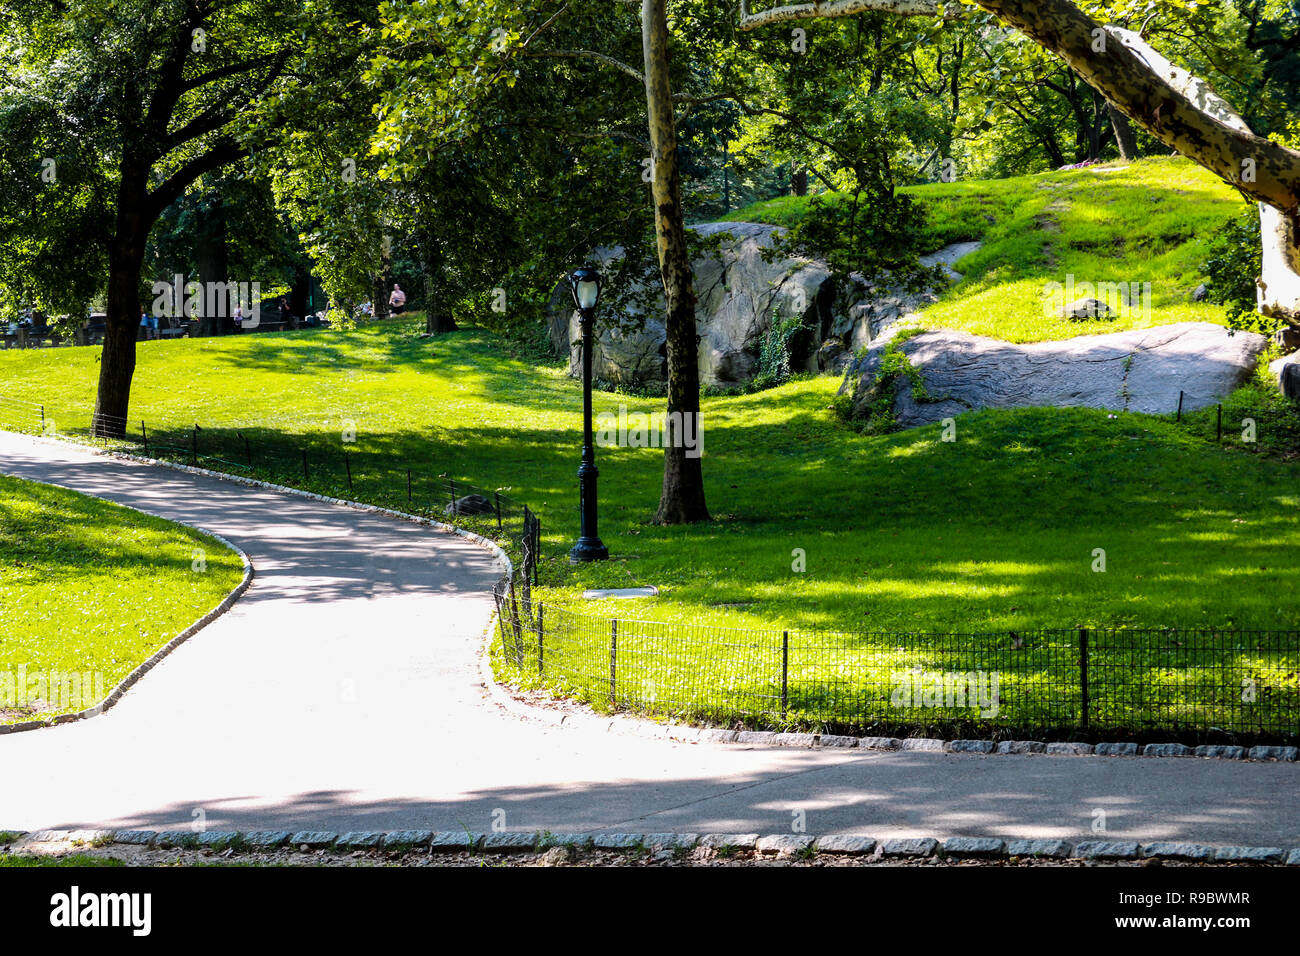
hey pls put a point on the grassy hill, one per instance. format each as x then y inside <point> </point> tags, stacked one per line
<point>903,531</point>
<point>1139,222</point>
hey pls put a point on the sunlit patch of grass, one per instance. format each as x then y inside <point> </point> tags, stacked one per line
<point>90,588</point>
<point>1143,224</point>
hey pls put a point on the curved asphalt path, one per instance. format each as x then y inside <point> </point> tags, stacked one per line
<point>342,692</point>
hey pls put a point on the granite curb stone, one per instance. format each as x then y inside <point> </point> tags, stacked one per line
<point>1022,747</point>
<point>1178,851</point>
<point>618,841</point>
<point>1273,753</point>
<point>405,839</point>
<point>973,846</point>
<point>672,841</point>
<point>453,840</point>
<point>509,842</point>
<point>854,845</point>
<point>1070,749</point>
<point>736,841</point>
<point>971,746</point>
<point>1249,854</point>
<point>1107,850</point>
<point>360,839</point>
<point>783,844</point>
<point>925,744</point>
<point>1050,849</point>
<point>314,839</point>
<point>1116,750</point>
<point>1166,750</point>
<point>270,838</point>
<point>1221,751</point>
<point>920,847</point>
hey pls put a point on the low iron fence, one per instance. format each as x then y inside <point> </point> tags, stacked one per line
<point>1113,683</point>
<point>330,468</point>
<point>1243,426</point>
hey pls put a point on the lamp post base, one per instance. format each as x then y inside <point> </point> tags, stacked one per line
<point>588,549</point>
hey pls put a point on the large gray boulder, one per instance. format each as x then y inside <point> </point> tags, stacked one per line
<point>740,294</point>
<point>1142,370</point>
<point>737,293</point>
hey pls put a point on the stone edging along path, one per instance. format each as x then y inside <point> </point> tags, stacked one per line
<point>147,665</point>
<point>643,727</point>
<point>676,844</point>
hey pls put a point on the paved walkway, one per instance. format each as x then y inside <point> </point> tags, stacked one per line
<point>342,692</point>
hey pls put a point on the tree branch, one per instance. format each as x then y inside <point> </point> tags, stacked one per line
<point>840,8</point>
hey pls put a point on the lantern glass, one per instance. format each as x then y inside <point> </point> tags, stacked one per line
<point>587,292</point>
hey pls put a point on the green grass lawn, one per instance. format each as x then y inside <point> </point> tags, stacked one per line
<point>91,589</point>
<point>995,532</point>
<point>1134,223</point>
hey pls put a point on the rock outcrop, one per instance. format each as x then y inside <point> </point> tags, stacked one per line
<point>739,295</point>
<point>1142,370</point>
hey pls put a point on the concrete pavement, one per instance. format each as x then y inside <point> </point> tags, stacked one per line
<point>342,692</point>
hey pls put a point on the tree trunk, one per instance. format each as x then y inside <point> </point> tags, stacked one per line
<point>382,281</point>
<point>437,316</point>
<point>682,498</point>
<point>117,358</point>
<point>212,257</point>
<point>1279,282</point>
<point>1125,138</point>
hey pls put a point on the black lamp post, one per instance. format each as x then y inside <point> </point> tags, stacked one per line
<point>585,284</point>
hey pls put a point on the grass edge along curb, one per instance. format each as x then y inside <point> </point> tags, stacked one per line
<point>783,845</point>
<point>148,664</point>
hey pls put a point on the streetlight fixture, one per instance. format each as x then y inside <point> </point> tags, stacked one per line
<point>585,285</point>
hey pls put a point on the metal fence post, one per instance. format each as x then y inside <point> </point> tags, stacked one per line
<point>347,463</point>
<point>145,434</point>
<point>451,486</point>
<point>305,476</point>
<point>613,661</point>
<point>42,419</point>
<point>1179,416</point>
<point>1083,676</point>
<point>497,496</point>
<point>785,673</point>
<point>1219,424</point>
<point>194,446</point>
<point>248,450</point>
<point>541,639</point>
<point>408,486</point>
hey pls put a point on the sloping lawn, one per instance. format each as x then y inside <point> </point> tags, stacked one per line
<point>1138,223</point>
<point>993,531</point>
<point>91,589</point>
<point>815,527</point>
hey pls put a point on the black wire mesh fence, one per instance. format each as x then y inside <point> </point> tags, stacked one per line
<point>321,464</point>
<point>1253,428</point>
<point>1116,684</point>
